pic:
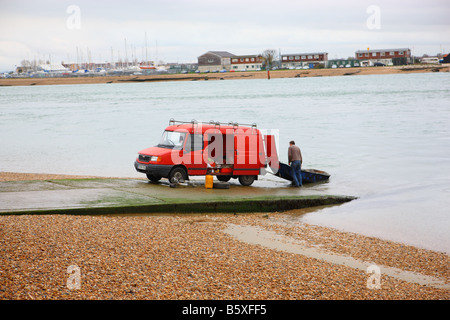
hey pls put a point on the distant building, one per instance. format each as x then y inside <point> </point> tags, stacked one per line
<point>343,63</point>
<point>23,69</point>
<point>385,56</point>
<point>247,63</point>
<point>84,66</point>
<point>303,59</point>
<point>430,60</point>
<point>52,68</point>
<point>181,67</point>
<point>446,58</point>
<point>215,61</point>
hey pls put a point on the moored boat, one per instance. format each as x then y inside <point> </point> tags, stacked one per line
<point>308,175</point>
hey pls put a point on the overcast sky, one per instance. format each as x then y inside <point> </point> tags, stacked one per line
<point>181,30</point>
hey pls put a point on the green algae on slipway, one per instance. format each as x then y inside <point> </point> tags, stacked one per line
<point>103,196</point>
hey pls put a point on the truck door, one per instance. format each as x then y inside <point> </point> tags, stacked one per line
<point>271,153</point>
<point>246,160</point>
<point>194,155</point>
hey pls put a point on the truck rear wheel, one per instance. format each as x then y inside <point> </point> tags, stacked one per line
<point>153,178</point>
<point>246,180</point>
<point>177,174</point>
<point>223,178</point>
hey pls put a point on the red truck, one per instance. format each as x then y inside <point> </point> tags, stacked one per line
<point>194,148</point>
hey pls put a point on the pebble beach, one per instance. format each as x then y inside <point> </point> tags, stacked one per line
<point>194,257</point>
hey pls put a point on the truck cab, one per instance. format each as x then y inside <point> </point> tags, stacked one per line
<point>197,148</point>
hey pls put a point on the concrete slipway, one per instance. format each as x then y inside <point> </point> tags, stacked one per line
<point>119,196</point>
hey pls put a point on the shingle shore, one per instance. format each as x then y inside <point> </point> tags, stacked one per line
<point>191,257</point>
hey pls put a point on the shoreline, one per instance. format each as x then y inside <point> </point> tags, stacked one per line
<point>191,256</point>
<point>19,176</point>
<point>274,74</point>
<point>23,176</point>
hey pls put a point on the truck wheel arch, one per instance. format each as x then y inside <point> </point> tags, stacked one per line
<point>176,169</point>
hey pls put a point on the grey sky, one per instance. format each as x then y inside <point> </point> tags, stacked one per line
<point>185,29</point>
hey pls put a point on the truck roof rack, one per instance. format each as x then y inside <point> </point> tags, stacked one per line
<point>212,122</point>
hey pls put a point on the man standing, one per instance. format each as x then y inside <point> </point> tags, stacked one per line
<point>295,161</point>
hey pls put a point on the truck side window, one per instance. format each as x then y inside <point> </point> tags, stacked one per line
<point>194,142</point>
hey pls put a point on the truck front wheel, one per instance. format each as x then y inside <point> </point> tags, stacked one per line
<point>177,174</point>
<point>246,180</point>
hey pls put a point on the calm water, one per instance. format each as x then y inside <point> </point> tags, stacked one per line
<point>383,138</point>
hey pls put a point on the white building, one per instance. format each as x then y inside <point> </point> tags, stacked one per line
<point>246,63</point>
<point>430,60</point>
<point>52,68</point>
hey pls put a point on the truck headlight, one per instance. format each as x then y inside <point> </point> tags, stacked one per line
<point>154,158</point>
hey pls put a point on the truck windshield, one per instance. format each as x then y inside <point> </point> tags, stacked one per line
<point>172,139</point>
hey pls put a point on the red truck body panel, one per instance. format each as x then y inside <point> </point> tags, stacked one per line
<point>231,150</point>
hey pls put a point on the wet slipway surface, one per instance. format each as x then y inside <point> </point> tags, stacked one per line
<point>136,194</point>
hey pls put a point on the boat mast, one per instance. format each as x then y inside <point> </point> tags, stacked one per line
<point>112,66</point>
<point>146,51</point>
<point>126,53</point>
<point>156,53</point>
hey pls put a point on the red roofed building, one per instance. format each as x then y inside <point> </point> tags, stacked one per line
<point>246,63</point>
<point>303,59</point>
<point>385,56</point>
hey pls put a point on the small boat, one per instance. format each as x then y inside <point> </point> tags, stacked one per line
<point>308,175</point>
